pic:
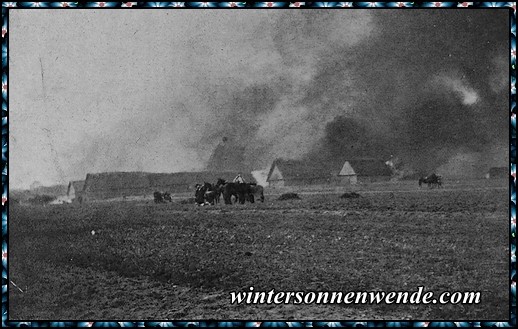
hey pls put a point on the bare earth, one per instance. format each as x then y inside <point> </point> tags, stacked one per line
<point>180,262</point>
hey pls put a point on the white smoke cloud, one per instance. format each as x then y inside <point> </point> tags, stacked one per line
<point>468,95</point>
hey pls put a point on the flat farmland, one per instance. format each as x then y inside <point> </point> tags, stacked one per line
<point>178,261</point>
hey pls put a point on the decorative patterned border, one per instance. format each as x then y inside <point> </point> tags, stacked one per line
<point>5,72</point>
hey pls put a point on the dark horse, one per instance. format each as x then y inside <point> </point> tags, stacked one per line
<point>255,191</point>
<point>241,191</point>
<point>229,190</point>
<point>433,181</point>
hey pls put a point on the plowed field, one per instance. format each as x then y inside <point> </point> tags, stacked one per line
<point>139,260</point>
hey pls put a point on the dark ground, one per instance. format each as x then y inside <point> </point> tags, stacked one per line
<point>180,262</point>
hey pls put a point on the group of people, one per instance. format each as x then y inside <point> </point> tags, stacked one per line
<point>238,188</point>
<point>206,194</point>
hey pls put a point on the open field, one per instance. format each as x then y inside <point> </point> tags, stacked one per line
<point>176,261</point>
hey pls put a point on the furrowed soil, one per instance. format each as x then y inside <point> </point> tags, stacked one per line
<point>178,261</point>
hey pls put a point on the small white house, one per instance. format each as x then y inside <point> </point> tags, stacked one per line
<point>347,175</point>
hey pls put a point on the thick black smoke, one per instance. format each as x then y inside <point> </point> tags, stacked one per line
<point>430,89</point>
<point>425,86</point>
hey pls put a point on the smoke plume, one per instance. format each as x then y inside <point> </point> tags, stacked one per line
<point>324,86</point>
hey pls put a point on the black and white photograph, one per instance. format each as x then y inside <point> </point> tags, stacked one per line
<point>259,164</point>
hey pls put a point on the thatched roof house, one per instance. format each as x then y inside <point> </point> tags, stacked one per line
<point>364,170</point>
<point>298,173</point>
<point>54,190</point>
<point>113,185</point>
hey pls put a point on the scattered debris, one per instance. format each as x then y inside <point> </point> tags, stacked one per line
<point>352,195</point>
<point>289,196</point>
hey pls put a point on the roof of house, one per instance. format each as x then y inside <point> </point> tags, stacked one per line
<point>370,167</point>
<point>78,186</point>
<point>347,170</point>
<point>116,181</point>
<point>54,190</point>
<point>298,169</point>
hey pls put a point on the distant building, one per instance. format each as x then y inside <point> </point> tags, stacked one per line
<point>347,175</point>
<point>302,173</point>
<point>364,171</point>
<point>498,172</point>
<point>112,185</point>
<point>297,173</point>
<point>54,190</point>
<point>75,190</point>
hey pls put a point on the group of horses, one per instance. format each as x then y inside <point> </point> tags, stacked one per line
<point>242,192</point>
<point>433,180</point>
<point>208,193</point>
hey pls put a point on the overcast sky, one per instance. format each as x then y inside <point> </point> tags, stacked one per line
<point>156,90</point>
